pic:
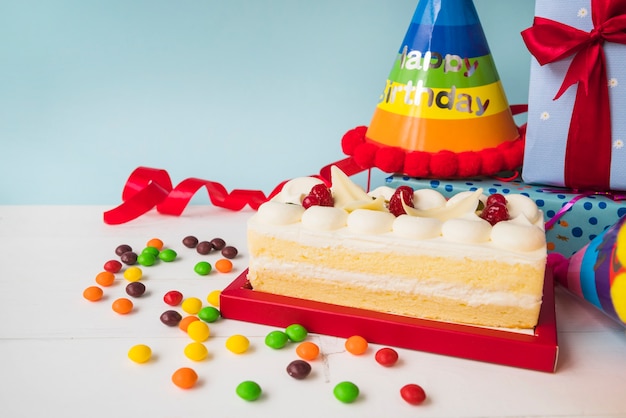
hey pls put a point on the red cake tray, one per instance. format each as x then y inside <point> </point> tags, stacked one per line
<point>535,351</point>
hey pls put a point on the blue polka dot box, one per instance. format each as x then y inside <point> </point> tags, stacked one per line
<point>572,219</point>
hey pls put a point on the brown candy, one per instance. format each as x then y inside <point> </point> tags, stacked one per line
<point>171,318</point>
<point>299,369</point>
<point>204,247</point>
<point>229,252</point>
<point>135,289</point>
<point>121,249</point>
<point>190,241</point>
<point>129,258</point>
<point>218,243</point>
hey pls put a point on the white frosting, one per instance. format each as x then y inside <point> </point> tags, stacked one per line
<point>438,225</point>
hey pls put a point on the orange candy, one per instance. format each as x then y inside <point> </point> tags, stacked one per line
<point>105,278</point>
<point>185,378</point>
<point>223,265</point>
<point>184,323</point>
<point>93,293</point>
<point>156,243</point>
<point>307,350</point>
<point>356,345</point>
<point>122,306</point>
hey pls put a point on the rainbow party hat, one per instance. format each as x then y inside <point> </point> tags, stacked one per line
<point>443,111</point>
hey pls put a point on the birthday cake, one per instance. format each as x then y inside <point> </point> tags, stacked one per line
<point>472,259</point>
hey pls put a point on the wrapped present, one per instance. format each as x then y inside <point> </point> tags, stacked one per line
<point>572,219</point>
<point>575,137</point>
<point>597,273</point>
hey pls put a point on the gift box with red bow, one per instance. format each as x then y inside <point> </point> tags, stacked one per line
<point>576,131</point>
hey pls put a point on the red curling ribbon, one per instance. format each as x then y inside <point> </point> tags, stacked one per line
<point>588,150</point>
<point>616,197</point>
<point>147,188</point>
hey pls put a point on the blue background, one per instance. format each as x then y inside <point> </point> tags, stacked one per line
<point>246,93</point>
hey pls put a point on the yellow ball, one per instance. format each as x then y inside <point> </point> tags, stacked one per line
<point>198,331</point>
<point>140,353</point>
<point>618,296</point>
<point>133,274</point>
<point>196,351</point>
<point>237,344</point>
<point>214,298</point>
<point>191,305</point>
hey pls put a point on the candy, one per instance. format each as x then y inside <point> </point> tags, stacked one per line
<point>151,250</point>
<point>214,298</point>
<point>140,353</point>
<point>223,265</point>
<point>122,306</point>
<point>209,314</point>
<point>170,318</point>
<point>105,278</point>
<point>202,268</point>
<point>185,378</point>
<point>413,394</point>
<point>386,357</point>
<point>356,345</point>
<point>307,350</point>
<point>168,255</point>
<point>135,289</point>
<point>133,274</point>
<point>146,259</point>
<point>296,332</point>
<point>184,323</point>
<point>198,331</point>
<point>346,392</point>
<point>121,249</point>
<point>204,247</point>
<point>173,297</point>
<point>298,369</point>
<point>276,339</point>
<point>190,241</point>
<point>112,266</point>
<point>129,258</point>
<point>196,351</point>
<point>156,243</point>
<point>237,344</point>
<point>191,305</point>
<point>93,293</point>
<point>218,243</point>
<point>229,252</point>
<point>249,390</point>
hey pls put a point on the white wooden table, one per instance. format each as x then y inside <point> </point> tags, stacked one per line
<point>63,356</point>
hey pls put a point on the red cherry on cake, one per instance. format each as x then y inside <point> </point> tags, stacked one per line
<point>320,195</point>
<point>395,204</point>
<point>495,213</point>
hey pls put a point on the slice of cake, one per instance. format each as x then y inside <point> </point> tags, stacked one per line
<point>472,259</point>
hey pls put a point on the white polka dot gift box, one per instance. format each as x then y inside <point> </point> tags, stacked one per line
<point>577,96</point>
<point>572,219</point>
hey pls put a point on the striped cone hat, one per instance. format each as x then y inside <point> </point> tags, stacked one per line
<point>443,112</point>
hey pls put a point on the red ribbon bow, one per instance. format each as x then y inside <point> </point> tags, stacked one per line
<point>588,151</point>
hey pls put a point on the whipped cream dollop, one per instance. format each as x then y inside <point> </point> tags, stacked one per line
<point>433,217</point>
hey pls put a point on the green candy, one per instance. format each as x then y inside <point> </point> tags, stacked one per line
<point>151,250</point>
<point>276,339</point>
<point>209,314</point>
<point>202,268</point>
<point>146,259</point>
<point>249,390</point>
<point>168,255</point>
<point>296,332</point>
<point>346,392</point>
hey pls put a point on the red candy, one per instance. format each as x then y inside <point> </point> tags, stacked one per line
<point>413,394</point>
<point>386,357</point>
<point>173,297</point>
<point>112,266</point>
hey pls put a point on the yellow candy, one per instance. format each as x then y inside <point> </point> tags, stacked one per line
<point>237,344</point>
<point>133,274</point>
<point>198,331</point>
<point>196,351</point>
<point>191,305</point>
<point>214,298</point>
<point>618,296</point>
<point>140,353</point>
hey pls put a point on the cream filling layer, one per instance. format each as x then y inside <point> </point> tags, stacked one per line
<point>468,295</point>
